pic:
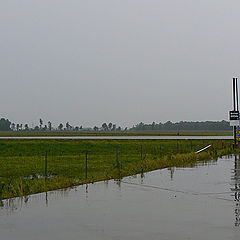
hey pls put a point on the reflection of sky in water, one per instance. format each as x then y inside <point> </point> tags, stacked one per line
<point>200,202</point>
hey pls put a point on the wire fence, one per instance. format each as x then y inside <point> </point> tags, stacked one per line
<point>89,162</point>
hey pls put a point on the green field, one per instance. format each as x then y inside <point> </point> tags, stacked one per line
<point>23,162</point>
<point>110,133</point>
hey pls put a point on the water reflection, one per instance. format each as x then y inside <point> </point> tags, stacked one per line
<point>175,203</point>
<point>87,191</point>
<point>16,204</point>
<point>13,205</point>
<point>46,198</point>
<point>171,169</point>
<point>236,189</point>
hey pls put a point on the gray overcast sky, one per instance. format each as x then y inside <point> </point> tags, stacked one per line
<point>91,61</point>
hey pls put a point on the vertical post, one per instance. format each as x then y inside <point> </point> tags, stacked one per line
<point>234,98</point>
<point>46,166</point>
<point>237,107</point>
<point>117,162</point>
<point>86,164</point>
<point>234,109</point>
<point>191,145</point>
<point>177,147</point>
<point>141,153</point>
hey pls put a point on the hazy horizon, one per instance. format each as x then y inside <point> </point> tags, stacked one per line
<point>89,62</point>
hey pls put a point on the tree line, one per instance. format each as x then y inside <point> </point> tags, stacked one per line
<point>6,125</point>
<point>184,126</point>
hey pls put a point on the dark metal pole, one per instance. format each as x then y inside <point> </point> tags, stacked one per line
<point>235,136</point>
<point>234,98</point>
<point>234,109</point>
<point>236,104</point>
<point>237,93</point>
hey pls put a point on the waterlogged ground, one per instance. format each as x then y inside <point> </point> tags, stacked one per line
<point>178,203</point>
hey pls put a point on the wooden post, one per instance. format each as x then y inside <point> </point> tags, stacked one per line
<point>117,162</point>
<point>141,153</point>
<point>86,165</point>
<point>46,166</point>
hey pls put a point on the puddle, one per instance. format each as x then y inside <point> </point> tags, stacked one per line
<point>200,202</point>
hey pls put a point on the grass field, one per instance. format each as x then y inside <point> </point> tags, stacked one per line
<point>109,133</point>
<point>23,162</point>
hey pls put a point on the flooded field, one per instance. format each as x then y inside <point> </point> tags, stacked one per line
<point>200,202</point>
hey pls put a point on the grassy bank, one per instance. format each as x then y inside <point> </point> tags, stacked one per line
<point>23,169</point>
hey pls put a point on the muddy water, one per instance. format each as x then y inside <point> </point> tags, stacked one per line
<point>200,202</point>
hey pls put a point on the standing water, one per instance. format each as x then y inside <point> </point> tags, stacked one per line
<point>200,202</point>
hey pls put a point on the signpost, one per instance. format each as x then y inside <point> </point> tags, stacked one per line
<point>234,114</point>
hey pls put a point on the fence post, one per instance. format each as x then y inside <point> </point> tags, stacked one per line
<point>177,147</point>
<point>141,153</point>
<point>191,145</point>
<point>46,166</point>
<point>86,164</point>
<point>117,162</point>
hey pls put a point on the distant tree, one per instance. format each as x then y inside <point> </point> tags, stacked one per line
<point>125,129</point>
<point>60,127</point>
<point>95,128</point>
<point>45,128</point>
<point>18,126</point>
<point>81,127</point>
<point>13,126</point>
<point>67,126</point>
<point>119,129</point>
<point>41,123</point>
<point>49,126</point>
<point>184,126</point>
<point>76,128</point>
<point>21,127</point>
<point>104,126</point>
<point>26,128</point>
<point>5,124</point>
<point>114,127</point>
<point>110,126</point>
<point>36,128</point>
